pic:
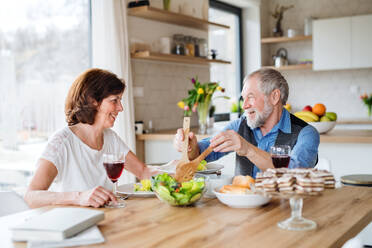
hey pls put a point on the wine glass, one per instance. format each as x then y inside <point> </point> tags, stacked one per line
<point>280,155</point>
<point>296,222</point>
<point>114,165</point>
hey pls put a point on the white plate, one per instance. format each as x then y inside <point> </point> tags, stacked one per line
<point>241,201</point>
<point>171,167</point>
<point>128,189</point>
<point>211,168</point>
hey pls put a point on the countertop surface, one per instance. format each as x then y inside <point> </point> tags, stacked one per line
<point>342,133</point>
<point>147,222</point>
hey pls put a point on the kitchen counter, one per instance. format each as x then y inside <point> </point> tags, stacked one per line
<point>334,136</point>
<point>146,222</point>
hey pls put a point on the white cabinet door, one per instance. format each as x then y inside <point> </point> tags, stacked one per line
<point>332,44</point>
<point>361,41</point>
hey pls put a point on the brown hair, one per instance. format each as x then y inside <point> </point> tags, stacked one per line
<point>88,90</point>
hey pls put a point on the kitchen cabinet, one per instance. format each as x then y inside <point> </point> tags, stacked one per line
<point>332,43</point>
<point>361,40</point>
<point>342,43</point>
<point>276,40</point>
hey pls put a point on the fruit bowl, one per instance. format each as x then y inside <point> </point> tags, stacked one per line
<point>168,190</point>
<point>323,126</point>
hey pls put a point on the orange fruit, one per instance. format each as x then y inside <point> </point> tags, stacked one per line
<point>319,109</point>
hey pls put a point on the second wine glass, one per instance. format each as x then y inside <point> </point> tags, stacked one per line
<point>114,166</point>
<point>280,155</point>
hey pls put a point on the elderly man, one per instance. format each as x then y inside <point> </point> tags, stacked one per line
<point>265,122</point>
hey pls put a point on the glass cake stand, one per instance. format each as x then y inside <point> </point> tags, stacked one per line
<point>296,222</point>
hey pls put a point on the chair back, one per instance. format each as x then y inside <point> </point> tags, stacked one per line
<point>324,164</point>
<point>11,203</point>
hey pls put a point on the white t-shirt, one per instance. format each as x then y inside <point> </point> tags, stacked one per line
<point>80,167</point>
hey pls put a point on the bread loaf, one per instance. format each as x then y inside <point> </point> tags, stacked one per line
<point>243,181</point>
<point>233,189</point>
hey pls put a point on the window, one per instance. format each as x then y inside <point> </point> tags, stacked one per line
<point>44,45</point>
<point>228,45</point>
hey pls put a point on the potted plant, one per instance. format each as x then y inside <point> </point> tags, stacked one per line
<point>199,100</point>
<point>367,100</point>
<point>236,109</point>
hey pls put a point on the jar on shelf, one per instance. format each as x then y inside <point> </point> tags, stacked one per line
<point>196,47</point>
<point>189,46</point>
<point>203,48</point>
<point>179,46</point>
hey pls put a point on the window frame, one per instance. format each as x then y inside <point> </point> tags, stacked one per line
<point>238,12</point>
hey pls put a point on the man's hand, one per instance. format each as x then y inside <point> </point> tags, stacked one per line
<point>229,141</point>
<point>96,197</point>
<point>193,150</point>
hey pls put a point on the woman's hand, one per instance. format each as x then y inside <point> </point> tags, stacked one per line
<point>96,197</point>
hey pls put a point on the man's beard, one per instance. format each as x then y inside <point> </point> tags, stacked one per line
<point>260,117</point>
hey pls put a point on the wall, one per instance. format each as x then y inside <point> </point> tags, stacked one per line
<point>163,84</point>
<point>339,90</point>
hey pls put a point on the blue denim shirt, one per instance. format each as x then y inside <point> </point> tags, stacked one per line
<point>303,154</point>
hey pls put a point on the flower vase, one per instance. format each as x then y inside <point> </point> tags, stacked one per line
<point>369,107</point>
<point>203,109</point>
<point>166,4</point>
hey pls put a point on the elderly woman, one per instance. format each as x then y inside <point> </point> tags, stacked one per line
<point>70,170</point>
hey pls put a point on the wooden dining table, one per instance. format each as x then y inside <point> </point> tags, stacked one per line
<point>340,214</point>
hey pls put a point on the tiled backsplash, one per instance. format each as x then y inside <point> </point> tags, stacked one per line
<point>164,85</point>
<point>339,90</point>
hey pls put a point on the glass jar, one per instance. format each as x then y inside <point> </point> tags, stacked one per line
<point>196,47</point>
<point>189,46</point>
<point>179,46</point>
<point>203,48</point>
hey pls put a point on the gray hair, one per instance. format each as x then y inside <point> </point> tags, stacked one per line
<point>269,80</point>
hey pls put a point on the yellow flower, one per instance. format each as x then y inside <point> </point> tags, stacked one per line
<point>219,88</point>
<point>181,104</point>
<point>200,91</point>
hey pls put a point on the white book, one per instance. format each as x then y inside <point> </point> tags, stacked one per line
<point>56,224</point>
<point>89,236</point>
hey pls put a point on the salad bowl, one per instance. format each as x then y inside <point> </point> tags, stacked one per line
<point>168,190</point>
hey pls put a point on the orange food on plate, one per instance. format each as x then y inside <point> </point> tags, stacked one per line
<point>319,109</point>
<point>233,189</point>
<point>243,181</point>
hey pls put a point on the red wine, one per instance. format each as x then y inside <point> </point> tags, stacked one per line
<point>280,160</point>
<point>114,170</point>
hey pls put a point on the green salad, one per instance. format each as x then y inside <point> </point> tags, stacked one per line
<point>177,194</point>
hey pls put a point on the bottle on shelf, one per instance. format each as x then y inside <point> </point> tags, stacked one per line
<point>203,48</point>
<point>179,46</point>
<point>189,46</point>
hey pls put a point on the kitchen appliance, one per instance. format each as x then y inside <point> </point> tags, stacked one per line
<point>280,59</point>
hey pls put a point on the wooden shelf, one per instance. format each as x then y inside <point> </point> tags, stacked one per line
<point>292,67</point>
<point>174,18</point>
<point>146,55</point>
<point>285,39</point>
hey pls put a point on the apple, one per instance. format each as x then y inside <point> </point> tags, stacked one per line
<point>307,108</point>
<point>331,115</point>
<point>324,118</point>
